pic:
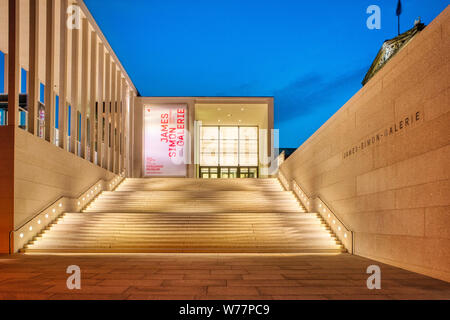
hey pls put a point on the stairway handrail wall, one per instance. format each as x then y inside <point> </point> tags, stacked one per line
<point>339,228</point>
<point>33,226</point>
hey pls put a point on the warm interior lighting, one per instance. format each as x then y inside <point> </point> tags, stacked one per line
<point>345,235</point>
<point>39,221</point>
<point>54,210</point>
<point>46,216</point>
<point>60,205</point>
<point>21,235</point>
<point>334,221</point>
<point>31,228</point>
<point>339,228</point>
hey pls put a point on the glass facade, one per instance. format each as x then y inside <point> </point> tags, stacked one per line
<point>228,152</point>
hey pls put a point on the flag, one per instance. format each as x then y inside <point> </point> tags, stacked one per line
<point>399,8</point>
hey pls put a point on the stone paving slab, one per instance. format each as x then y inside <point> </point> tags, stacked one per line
<point>209,277</point>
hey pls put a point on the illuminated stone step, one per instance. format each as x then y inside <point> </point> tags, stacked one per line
<point>185,239</point>
<point>190,215</point>
<point>183,250</point>
<point>199,184</point>
<point>78,243</point>
<point>187,246</point>
<point>186,231</point>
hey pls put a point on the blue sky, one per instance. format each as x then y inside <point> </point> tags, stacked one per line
<point>310,55</point>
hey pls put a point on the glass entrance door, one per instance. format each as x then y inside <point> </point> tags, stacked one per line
<point>228,152</point>
<point>228,172</point>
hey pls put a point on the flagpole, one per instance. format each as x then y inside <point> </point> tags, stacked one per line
<point>398,13</point>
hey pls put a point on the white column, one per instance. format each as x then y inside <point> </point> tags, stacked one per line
<point>123,125</point>
<point>107,108</point>
<point>84,86</point>
<point>6,74</point>
<point>93,93</point>
<point>118,121</point>
<point>132,134</point>
<point>101,83</point>
<point>63,71</point>
<point>74,90</point>
<point>50,73</point>
<point>33,84</point>
<point>113,117</point>
<point>13,62</point>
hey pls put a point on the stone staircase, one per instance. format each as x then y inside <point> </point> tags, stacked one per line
<point>190,215</point>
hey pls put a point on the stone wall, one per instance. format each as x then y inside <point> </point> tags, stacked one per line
<point>44,173</point>
<point>382,162</point>
<point>6,185</point>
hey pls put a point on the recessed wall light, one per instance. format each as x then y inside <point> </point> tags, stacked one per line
<point>21,235</point>
<point>31,228</point>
